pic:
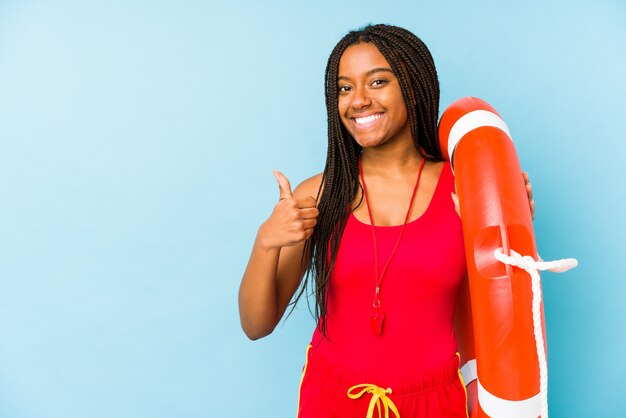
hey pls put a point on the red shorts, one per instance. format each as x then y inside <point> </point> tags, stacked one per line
<point>324,393</point>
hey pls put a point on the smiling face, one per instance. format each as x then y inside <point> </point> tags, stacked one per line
<point>370,102</point>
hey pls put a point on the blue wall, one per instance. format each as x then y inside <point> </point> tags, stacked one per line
<point>137,141</point>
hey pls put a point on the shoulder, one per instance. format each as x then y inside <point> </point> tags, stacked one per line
<point>436,170</point>
<point>446,171</point>
<point>309,187</point>
<point>441,169</point>
<point>445,176</point>
<point>436,175</point>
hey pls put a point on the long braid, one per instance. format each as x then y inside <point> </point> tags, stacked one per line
<point>421,71</point>
<point>414,67</point>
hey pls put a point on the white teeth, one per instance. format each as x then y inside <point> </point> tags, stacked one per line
<point>367,119</point>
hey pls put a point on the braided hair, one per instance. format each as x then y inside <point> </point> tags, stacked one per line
<point>415,70</point>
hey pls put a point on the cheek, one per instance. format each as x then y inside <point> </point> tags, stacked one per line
<point>400,106</point>
<point>404,114</point>
<point>341,109</point>
<point>342,105</point>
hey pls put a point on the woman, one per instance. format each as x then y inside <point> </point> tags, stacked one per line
<point>378,236</point>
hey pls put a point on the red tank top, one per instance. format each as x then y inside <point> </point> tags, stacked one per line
<point>419,292</point>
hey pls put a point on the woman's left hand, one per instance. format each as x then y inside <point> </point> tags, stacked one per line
<point>529,192</point>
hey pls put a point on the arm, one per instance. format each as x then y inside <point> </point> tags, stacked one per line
<point>276,266</point>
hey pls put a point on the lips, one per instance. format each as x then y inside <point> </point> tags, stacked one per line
<point>365,122</point>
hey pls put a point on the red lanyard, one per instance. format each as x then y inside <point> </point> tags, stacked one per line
<point>377,316</point>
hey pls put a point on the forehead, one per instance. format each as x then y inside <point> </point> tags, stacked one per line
<point>360,58</point>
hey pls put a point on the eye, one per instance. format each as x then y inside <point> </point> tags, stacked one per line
<point>379,82</point>
<point>344,88</point>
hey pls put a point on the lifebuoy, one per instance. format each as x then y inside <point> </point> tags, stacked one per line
<point>495,215</point>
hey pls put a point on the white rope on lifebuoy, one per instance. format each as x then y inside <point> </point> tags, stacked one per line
<point>533,266</point>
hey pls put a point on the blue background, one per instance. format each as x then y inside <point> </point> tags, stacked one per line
<point>137,144</point>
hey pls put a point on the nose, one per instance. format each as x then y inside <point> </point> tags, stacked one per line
<point>360,98</point>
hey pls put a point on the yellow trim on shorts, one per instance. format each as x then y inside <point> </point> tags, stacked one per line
<point>462,384</point>
<point>306,362</point>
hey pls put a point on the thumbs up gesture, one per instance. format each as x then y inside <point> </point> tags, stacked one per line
<point>292,220</point>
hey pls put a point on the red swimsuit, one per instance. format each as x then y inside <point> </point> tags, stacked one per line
<point>416,352</point>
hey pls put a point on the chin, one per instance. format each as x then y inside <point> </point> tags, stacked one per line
<point>369,142</point>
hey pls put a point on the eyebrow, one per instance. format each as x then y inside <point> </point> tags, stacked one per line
<point>370,72</point>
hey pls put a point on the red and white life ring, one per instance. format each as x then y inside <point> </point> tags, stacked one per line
<point>499,325</point>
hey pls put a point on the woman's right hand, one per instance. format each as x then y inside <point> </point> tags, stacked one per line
<point>278,261</point>
<point>292,220</point>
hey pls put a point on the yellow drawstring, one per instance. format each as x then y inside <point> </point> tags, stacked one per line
<point>379,395</point>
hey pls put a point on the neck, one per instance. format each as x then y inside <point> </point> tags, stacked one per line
<point>391,159</point>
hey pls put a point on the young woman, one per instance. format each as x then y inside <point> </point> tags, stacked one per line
<point>377,237</point>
